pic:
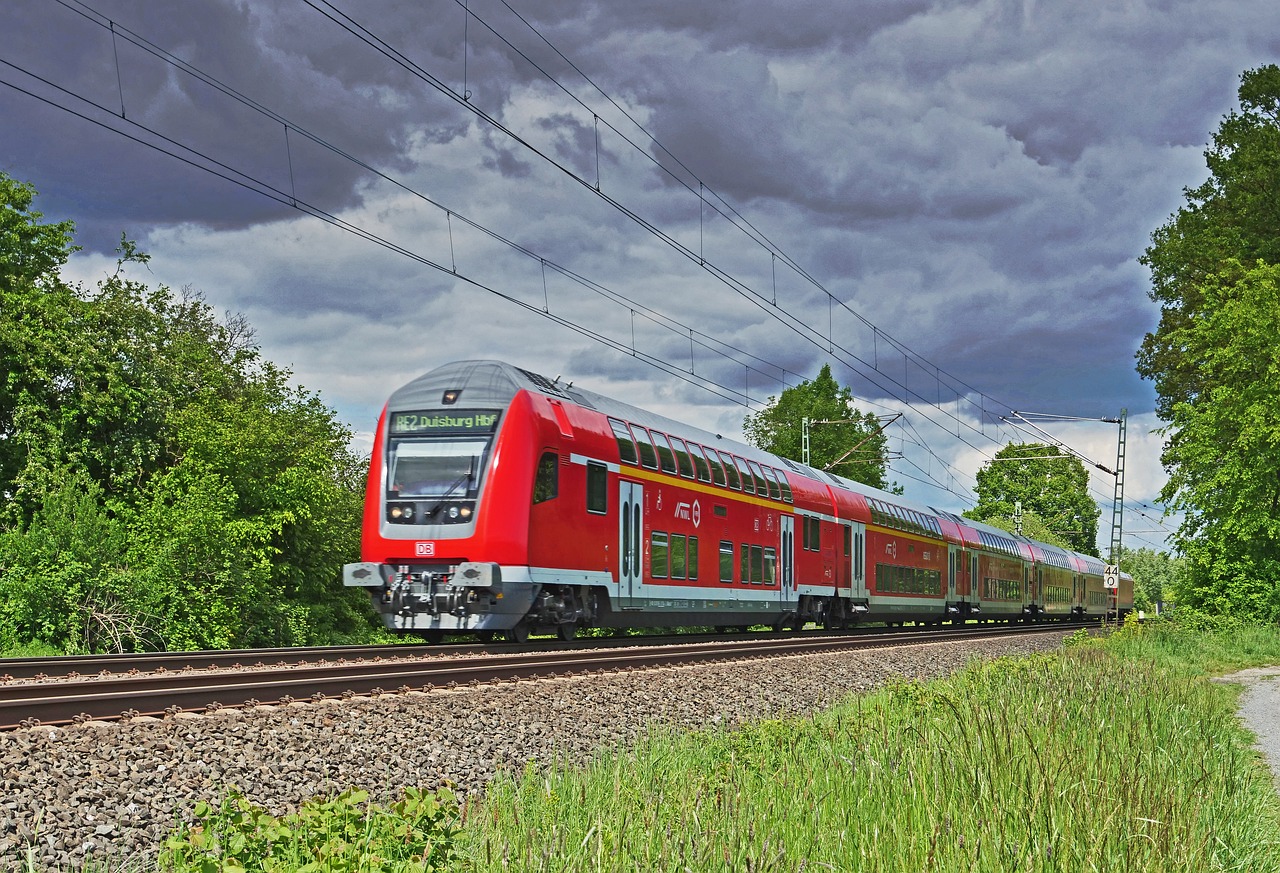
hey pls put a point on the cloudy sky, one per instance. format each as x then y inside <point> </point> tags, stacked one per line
<point>686,205</point>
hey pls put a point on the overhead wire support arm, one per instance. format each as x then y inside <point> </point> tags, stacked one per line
<point>1035,431</point>
<point>805,423</point>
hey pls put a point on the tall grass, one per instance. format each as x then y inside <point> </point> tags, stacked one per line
<point>1120,757</point>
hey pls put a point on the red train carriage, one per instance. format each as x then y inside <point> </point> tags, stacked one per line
<point>500,501</point>
<point>1056,580</point>
<point>998,571</point>
<point>1095,599</point>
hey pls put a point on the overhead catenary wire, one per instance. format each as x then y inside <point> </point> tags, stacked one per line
<point>870,371</point>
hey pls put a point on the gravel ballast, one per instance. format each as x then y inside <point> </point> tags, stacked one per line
<point>111,791</point>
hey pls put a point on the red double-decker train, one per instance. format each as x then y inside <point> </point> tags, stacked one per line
<point>500,501</point>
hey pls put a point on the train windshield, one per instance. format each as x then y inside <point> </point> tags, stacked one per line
<point>435,468</point>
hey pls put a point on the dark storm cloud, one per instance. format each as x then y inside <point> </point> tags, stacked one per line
<point>974,177</point>
<point>290,60</point>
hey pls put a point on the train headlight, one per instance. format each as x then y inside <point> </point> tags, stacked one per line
<point>400,512</point>
<point>453,512</point>
<point>465,512</point>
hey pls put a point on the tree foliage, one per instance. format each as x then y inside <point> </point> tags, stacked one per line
<point>1157,576</point>
<point>845,441</point>
<point>1212,359</point>
<point>1052,486</point>
<point>1028,525</point>
<point>161,483</point>
<point>1234,215</point>
<point>1223,447</point>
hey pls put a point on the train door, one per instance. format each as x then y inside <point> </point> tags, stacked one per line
<point>787,559</point>
<point>630,544</point>
<point>859,588</point>
<point>975,581</point>
<point>953,568</point>
<point>844,564</point>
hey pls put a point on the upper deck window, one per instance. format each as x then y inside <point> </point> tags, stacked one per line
<point>626,443</point>
<point>717,469</point>
<point>730,472</point>
<point>666,458</point>
<point>682,457</point>
<point>700,461</point>
<point>785,486</point>
<point>748,481</point>
<point>648,455</point>
<point>775,490</point>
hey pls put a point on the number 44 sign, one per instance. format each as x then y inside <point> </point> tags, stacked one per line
<point>1111,578</point>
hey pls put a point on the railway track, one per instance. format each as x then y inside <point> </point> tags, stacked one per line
<point>199,686</point>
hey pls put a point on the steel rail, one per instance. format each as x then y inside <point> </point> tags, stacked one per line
<point>157,694</point>
<point>129,663</point>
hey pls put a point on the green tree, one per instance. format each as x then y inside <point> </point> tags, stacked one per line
<point>161,483</point>
<point>852,445</point>
<point>1156,575</point>
<point>34,305</point>
<point>1028,525</point>
<point>1048,483</point>
<point>1234,215</point>
<point>1222,447</point>
<point>1212,359</point>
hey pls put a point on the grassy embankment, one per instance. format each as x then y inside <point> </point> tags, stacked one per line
<point>1114,755</point>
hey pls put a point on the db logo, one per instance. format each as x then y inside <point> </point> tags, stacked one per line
<point>424,550</point>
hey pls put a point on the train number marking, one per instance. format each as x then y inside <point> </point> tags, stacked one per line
<point>424,550</point>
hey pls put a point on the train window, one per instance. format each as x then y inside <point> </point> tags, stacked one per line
<point>648,457</point>
<point>748,481</point>
<point>730,473</point>
<point>717,470</point>
<point>812,534</point>
<point>770,566</point>
<point>848,540</point>
<point>626,443</point>
<point>682,457</point>
<point>770,477</point>
<point>678,551</point>
<point>700,462</point>
<point>693,558</point>
<point>762,487</point>
<point>726,561</point>
<point>757,565</point>
<point>659,552</point>
<point>546,480</point>
<point>785,486</point>
<point>666,458</point>
<point>597,487</point>
<point>744,564</point>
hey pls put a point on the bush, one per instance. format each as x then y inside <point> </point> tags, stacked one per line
<point>342,833</point>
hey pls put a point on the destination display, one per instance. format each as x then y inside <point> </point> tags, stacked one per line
<point>455,421</point>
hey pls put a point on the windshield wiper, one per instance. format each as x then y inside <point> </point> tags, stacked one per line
<point>448,492</point>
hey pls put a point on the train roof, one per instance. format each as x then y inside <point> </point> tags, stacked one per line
<point>487,384</point>
<point>493,385</point>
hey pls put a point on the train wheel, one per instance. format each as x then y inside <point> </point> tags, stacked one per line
<point>566,631</point>
<point>518,634</point>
